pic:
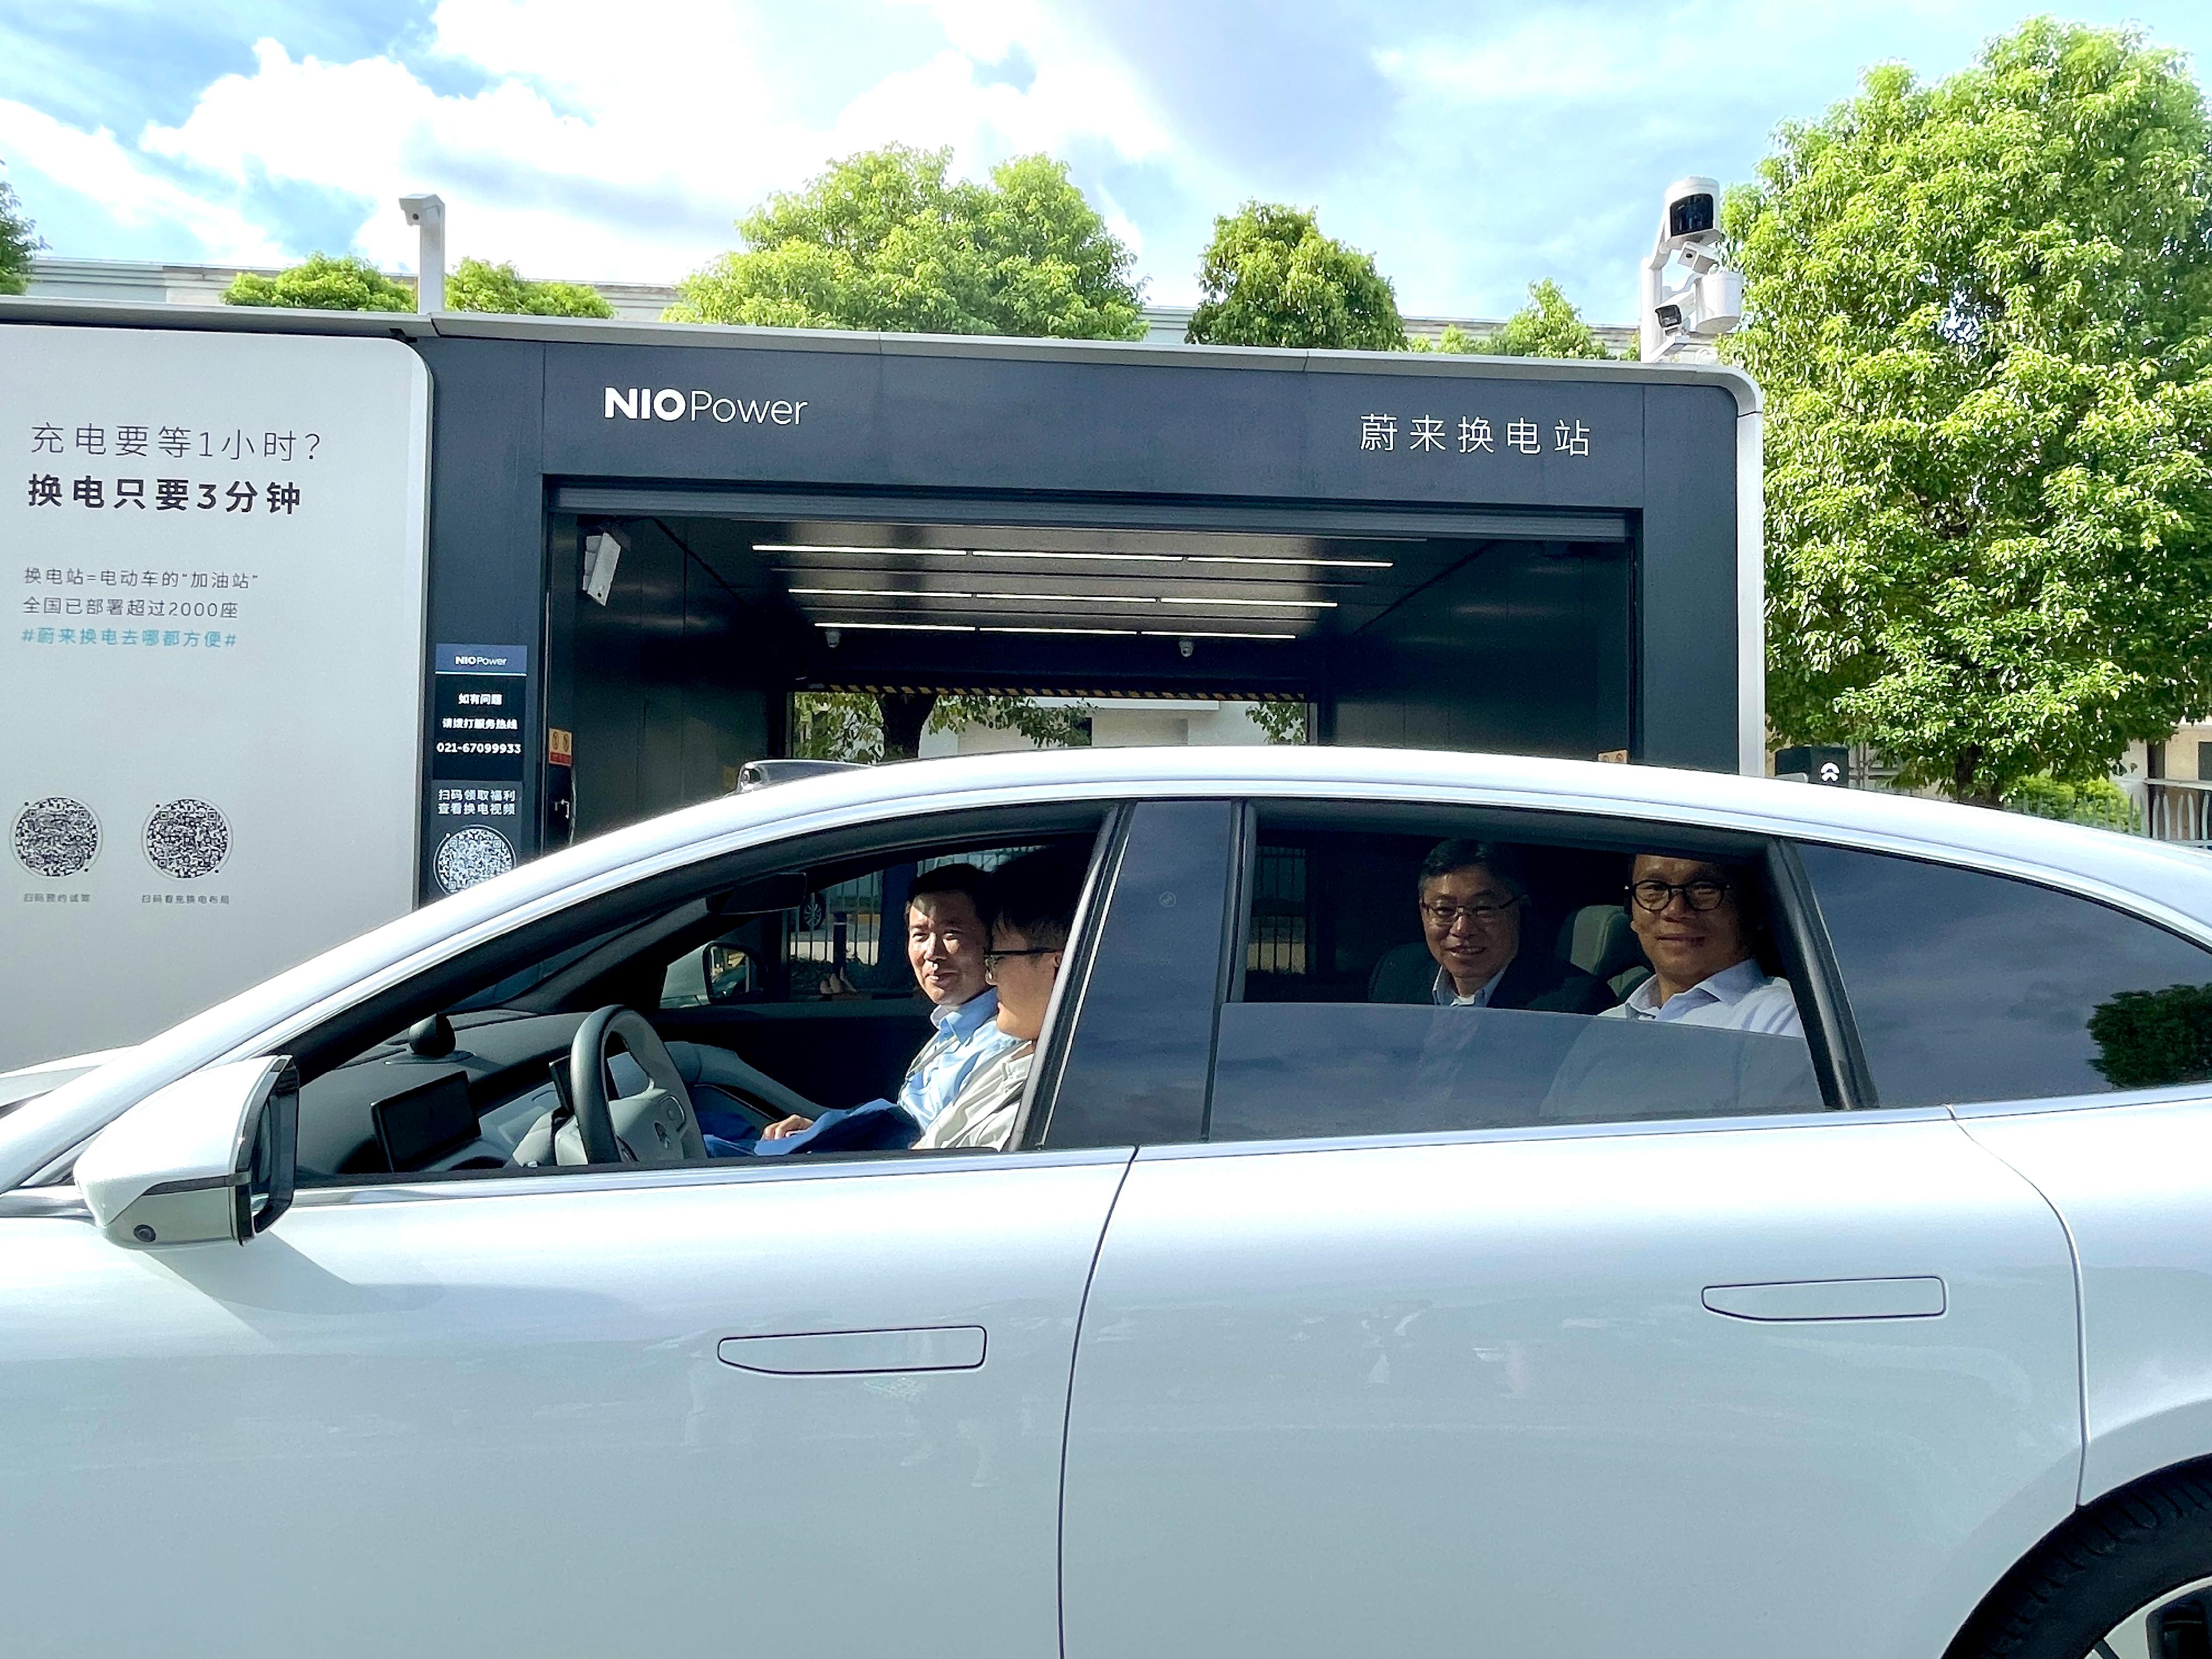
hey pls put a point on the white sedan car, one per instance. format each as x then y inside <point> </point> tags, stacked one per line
<point>1378,1261</point>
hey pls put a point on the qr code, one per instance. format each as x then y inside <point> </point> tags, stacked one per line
<point>471,855</point>
<point>187,839</point>
<point>57,837</point>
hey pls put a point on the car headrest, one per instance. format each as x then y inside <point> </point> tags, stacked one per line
<point>1598,940</point>
<point>1404,973</point>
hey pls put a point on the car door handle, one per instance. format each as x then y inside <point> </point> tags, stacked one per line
<point>840,1353</point>
<point>1919,1297</point>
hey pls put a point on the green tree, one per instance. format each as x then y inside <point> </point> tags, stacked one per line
<point>852,726</point>
<point>1549,325</point>
<point>477,286</point>
<point>1980,313</point>
<point>348,283</point>
<point>885,240</point>
<point>2098,801</point>
<point>19,239</point>
<point>2151,1039</point>
<point>1271,279</point>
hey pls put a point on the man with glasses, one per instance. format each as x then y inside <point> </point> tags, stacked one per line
<point>1472,896</point>
<point>1032,913</point>
<point>1699,923</point>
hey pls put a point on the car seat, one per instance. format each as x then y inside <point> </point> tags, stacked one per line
<point>1595,939</point>
<point>1598,940</point>
<point>1404,973</point>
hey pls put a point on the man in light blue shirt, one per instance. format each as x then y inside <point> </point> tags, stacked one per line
<point>1696,921</point>
<point>946,940</point>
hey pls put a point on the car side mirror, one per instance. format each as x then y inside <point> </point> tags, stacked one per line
<point>214,1155</point>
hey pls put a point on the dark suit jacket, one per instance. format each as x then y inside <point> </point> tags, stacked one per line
<point>1541,982</point>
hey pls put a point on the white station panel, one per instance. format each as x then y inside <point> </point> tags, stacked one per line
<point>210,666</point>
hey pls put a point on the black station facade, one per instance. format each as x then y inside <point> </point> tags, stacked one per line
<point>650,538</point>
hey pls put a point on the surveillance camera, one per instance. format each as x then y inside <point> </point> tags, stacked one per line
<point>420,208</point>
<point>1186,646</point>
<point>1692,212</point>
<point>602,551</point>
<point>1690,298</point>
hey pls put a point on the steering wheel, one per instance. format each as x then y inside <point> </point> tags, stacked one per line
<point>657,1124</point>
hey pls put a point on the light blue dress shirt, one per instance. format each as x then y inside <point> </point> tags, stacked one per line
<point>967,1035</point>
<point>1740,999</point>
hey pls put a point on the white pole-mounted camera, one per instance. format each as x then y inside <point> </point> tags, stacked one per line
<point>427,214</point>
<point>1698,299</point>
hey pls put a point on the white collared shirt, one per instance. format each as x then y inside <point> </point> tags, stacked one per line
<point>1445,994</point>
<point>1741,998</point>
<point>984,1112</point>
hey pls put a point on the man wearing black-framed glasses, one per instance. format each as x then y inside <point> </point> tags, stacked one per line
<point>1698,922</point>
<point>1032,913</point>
<point>1472,896</point>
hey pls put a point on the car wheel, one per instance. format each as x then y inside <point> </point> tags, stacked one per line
<point>2128,1578</point>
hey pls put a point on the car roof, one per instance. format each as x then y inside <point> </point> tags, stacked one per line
<point>2172,883</point>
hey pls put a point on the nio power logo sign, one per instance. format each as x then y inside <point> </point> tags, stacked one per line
<point>645,403</point>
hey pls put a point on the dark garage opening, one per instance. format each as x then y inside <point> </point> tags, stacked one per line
<point>1463,631</point>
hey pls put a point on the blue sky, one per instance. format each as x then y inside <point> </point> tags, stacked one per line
<point>1473,146</point>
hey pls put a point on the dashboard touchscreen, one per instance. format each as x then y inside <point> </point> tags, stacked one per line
<point>426,1121</point>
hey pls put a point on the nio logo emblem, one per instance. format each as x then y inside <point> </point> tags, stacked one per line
<point>645,403</point>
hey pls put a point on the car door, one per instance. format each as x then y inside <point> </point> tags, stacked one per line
<point>1717,1383</point>
<point>774,1407</point>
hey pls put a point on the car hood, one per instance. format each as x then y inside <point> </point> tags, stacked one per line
<point>29,1082</point>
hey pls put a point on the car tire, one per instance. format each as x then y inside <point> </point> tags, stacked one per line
<point>2129,1577</point>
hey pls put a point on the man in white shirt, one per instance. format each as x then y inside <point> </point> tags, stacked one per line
<point>1720,1037</point>
<point>1692,918</point>
<point>1033,910</point>
<point>946,940</point>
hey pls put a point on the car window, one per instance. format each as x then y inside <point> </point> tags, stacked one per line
<point>1967,985</point>
<point>848,993</point>
<point>1402,978</point>
<point>848,940</point>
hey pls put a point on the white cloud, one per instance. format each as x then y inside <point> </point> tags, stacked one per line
<point>97,164</point>
<point>619,153</point>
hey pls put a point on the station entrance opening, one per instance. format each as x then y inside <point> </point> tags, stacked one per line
<point>721,623</point>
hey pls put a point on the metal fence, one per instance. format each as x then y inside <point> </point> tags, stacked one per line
<point>2179,810</point>
<point>841,928</point>
<point>1281,918</point>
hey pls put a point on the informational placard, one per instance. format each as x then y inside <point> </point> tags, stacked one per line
<point>210,666</point>
<point>477,694</point>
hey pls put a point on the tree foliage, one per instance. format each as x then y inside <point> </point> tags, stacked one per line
<point>885,240</point>
<point>1980,311</point>
<point>1549,325</point>
<point>475,285</point>
<point>2098,801</point>
<point>1271,279</point>
<point>2151,1039</point>
<point>853,725</point>
<point>348,282</point>
<point>19,239</point>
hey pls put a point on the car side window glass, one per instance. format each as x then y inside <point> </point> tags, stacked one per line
<point>1967,985</point>
<point>1135,1068</point>
<point>1403,977</point>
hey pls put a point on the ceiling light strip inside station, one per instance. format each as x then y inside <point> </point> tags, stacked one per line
<point>1099,558</point>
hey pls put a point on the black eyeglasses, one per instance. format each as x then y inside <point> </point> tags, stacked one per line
<point>1703,894</point>
<point>992,959</point>
<point>1446,916</point>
